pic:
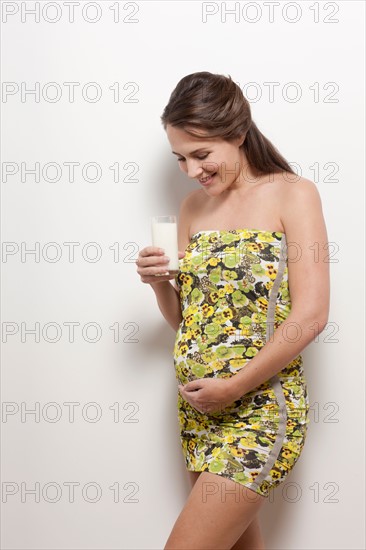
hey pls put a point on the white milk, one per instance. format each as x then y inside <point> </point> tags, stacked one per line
<point>164,235</point>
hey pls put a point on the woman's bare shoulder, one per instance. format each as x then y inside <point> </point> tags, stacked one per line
<point>194,198</point>
<point>301,210</point>
<point>294,187</point>
<point>191,205</point>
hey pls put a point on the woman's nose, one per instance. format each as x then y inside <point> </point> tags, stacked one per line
<point>194,168</point>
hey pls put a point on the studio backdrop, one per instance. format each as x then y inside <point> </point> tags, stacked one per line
<point>91,456</point>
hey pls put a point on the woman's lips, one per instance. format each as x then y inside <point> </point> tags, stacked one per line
<point>207,181</point>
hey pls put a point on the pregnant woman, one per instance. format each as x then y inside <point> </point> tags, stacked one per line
<point>251,293</point>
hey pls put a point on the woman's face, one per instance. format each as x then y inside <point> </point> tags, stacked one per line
<point>201,158</point>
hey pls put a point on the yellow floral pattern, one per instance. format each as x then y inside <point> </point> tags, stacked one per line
<point>225,282</point>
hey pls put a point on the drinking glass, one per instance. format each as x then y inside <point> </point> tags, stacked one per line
<point>164,235</point>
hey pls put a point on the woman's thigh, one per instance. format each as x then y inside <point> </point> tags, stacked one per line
<point>217,512</point>
<point>193,476</point>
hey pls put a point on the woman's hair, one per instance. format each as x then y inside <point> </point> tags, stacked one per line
<point>214,106</point>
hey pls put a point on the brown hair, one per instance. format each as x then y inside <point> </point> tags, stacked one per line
<point>214,105</point>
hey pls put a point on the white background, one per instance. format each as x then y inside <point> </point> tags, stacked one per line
<point>142,459</point>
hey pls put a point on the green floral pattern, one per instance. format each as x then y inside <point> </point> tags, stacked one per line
<point>225,282</point>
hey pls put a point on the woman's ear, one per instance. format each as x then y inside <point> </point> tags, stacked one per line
<point>241,140</point>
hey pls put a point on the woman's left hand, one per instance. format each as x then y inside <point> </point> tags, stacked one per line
<point>208,395</point>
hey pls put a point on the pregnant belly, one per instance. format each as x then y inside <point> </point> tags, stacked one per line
<point>223,359</point>
<point>222,356</point>
<point>223,362</point>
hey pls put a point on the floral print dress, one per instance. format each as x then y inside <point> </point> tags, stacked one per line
<point>234,293</point>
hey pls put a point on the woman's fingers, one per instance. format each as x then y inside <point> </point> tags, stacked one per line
<point>152,265</point>
<point>150,256</point>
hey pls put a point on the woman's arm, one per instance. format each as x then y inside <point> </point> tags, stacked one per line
<point>309,286</point>
<point>169,303</point>
<point>167,294</point>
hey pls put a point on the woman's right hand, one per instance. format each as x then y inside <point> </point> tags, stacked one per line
<point>152,265</point>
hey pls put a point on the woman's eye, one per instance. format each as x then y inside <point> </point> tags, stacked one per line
<point>200,158</point>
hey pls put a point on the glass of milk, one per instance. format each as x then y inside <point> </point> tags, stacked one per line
<point>164,235</point>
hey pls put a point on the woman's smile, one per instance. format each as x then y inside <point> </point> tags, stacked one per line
<point>207,180</point>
